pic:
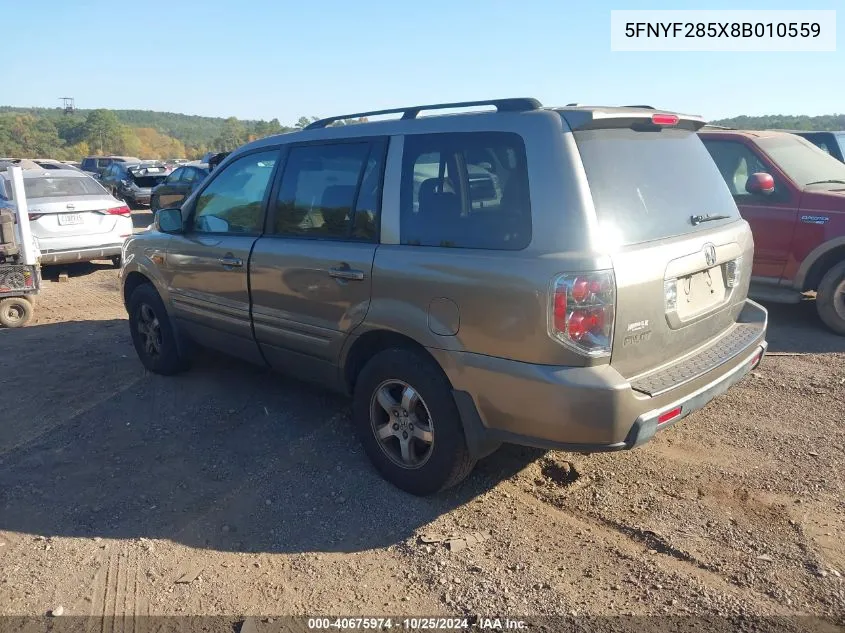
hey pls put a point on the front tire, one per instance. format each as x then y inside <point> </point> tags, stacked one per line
<point>152,333</point>
<point>830,299</point>
<point>408,422</point>
<point>15,312</point>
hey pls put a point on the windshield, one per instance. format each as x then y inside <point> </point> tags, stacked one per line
<point>647,184</point>
<point>802,161</point>
<point>49,187</point>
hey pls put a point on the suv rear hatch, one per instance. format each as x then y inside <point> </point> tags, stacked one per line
<point>147,177</point>
<point>681,252</point>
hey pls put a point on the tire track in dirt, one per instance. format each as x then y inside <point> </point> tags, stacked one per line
<point>636,545</point>
<point>116,596</point>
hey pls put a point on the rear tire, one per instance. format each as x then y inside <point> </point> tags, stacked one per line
<point>830,299</point>
<point>404,396</point>
<point>15,312</point>
<point>152,333</point>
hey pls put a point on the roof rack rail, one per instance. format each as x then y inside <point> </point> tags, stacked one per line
<point>520,104</point>
<point>647,107</point>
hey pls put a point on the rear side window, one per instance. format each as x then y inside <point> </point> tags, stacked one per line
<point>330,191</point>
<point>465,190</point>
<point>646,185</point>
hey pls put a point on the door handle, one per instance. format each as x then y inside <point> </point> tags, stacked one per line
<point>231,262</point>
<point>346,273</point>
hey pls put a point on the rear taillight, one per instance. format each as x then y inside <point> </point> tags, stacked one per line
<point>582,311</point>
<point>124,210</point>
<point>34,216</point>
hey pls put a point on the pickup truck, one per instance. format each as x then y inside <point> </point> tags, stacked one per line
<point>793,195</point>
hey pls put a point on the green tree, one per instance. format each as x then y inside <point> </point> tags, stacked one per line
<point>232,136</point>
<point>103,131</point>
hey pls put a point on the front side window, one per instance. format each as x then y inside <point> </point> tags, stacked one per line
<point>465,190</point>
<point>234,201</point>
<point>736,162</point>
<point>330,192</point>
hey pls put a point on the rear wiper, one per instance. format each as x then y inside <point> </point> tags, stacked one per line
<point>698,219</point>
<point>825,182</point>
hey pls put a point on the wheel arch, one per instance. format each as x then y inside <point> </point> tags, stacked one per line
<point>132,281</point>
<point>370,343</point>
<point>818,262</point>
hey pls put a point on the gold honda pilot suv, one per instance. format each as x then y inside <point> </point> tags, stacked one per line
<point>571,278</point>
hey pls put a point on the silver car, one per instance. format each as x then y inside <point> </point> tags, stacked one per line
<point>570,278</point>
<point>73,218</point>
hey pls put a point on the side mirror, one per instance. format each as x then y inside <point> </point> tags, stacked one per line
<point>169,220</point>
<point>761,183</point>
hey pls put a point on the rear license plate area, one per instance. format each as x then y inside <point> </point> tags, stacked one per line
<point>70,219</point>
<point>700,292</point>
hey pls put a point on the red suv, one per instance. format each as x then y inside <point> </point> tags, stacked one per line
<point>793,195</point>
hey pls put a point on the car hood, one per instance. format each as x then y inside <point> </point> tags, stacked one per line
<point>824,200</point>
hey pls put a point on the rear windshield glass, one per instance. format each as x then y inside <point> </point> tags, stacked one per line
<point>802,161</point>
<point>57,187</point>
<point>646,185</point>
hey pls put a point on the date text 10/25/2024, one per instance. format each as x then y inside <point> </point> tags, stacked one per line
<point>416,624</point>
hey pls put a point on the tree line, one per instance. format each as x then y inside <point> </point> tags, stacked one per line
<point>51,133</point>
<point>825,122</point>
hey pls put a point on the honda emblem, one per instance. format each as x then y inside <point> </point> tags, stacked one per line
<point>710,254</point>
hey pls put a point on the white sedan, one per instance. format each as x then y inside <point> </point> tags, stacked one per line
<point>73,218</point>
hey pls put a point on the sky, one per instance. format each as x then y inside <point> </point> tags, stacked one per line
<point>264,59</point>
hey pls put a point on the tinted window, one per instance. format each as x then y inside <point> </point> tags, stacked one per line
<point>50,187</point>
<point>736,162</point>
<point>465,190</point>
<point>647,184</point>
<point>802,161</point>
<point>233,202</point>
<point>189,175</point>
<point>175,176</point>
<point>320,188</point>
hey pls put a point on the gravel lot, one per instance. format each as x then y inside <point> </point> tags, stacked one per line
<point>230,490</point>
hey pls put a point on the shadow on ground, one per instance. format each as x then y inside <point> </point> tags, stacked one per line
<point>81,269</point>
<point>797,329</point>
<point>226,456</point>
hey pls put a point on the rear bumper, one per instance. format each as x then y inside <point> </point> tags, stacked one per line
<point>80,254</point>
<point>140,198</point>
<point>590,409</point>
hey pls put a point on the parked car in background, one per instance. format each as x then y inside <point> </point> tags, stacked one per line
<point>831,142</point>
<point>71,216</point>
<point>793,195</point>
<point>96,164</point>
<point>49,163</point>
<point>177,186</point>
<point>598,300</point>
<point>133,182</point>
<point>42,163</point>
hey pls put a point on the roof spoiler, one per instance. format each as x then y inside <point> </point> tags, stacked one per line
<point>638,117</point>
